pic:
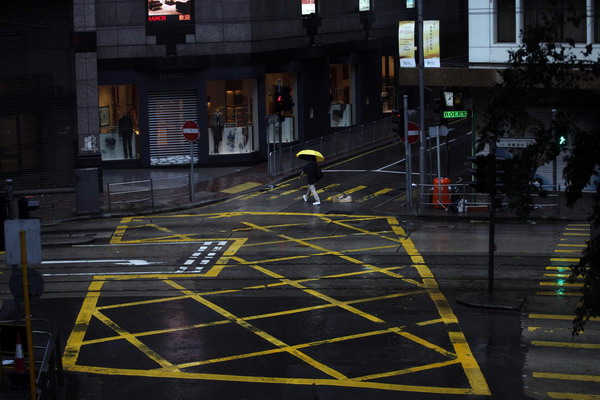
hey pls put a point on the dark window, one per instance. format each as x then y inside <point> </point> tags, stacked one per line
<point>566,16</point>
<point>505,21</point>
<point>596,21</point>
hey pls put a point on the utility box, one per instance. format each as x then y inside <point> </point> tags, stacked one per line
<point>87,191</point>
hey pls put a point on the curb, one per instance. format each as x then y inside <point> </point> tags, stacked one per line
<point>507,301</point>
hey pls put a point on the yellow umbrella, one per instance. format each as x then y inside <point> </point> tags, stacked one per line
<point>309,154</point>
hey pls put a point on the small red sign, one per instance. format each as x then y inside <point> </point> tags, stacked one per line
<point>191,131</point>
<point>413,133</point>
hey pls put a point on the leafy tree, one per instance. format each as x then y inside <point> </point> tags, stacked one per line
<point>545,74</point>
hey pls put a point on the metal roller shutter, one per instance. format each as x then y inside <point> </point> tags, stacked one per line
<point>167,111</point>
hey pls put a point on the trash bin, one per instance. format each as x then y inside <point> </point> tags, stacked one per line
<point>441,192</point>
<point>87,191</point>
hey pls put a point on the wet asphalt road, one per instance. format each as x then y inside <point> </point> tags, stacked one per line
<point>265,296</point>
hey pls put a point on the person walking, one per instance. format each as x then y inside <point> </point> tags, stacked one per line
<point>313,174</point>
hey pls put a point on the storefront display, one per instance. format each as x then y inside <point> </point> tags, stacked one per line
<point>230,106</point>
<point>284,84</point>
<point>118,122</point>
<point>341,94</point>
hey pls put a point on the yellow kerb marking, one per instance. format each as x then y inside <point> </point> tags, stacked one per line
<point>241,188</point>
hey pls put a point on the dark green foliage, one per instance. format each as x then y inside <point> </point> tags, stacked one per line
<point>542,73</point>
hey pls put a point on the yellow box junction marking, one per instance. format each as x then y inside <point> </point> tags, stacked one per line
<point>395,237</point>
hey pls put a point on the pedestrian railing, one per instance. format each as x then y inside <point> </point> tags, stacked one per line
<point>153,192</point>
<point>47,357</point>
<point>461,198</point>
<point>333,147</point>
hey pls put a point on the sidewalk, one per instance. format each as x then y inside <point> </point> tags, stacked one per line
<point>210,185</point>
<point>213,184</point>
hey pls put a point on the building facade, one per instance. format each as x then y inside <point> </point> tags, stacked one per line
<point>132,71</point>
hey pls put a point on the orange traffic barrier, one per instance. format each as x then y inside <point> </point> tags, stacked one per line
<point>441,192</point>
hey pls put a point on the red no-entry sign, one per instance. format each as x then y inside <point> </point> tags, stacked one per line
<point>191,131</point>
<point>413,133</point>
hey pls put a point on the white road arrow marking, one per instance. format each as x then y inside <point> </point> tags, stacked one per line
<point>118,262</point>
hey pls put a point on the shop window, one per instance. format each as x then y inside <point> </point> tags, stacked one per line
<point>340,92</point>
<point>231,111</point>
<point>283,84</point>
<point>506,21</point>
<point>119,124</point>
<point>388,88</point>
<point>568,23</point>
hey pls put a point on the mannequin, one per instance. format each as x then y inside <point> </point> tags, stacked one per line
<point>217,131</point>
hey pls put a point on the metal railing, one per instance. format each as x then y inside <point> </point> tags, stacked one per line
<point>333,147</point>
<point>464,199</point>
<point>47,355</point>
<point>153,192</point>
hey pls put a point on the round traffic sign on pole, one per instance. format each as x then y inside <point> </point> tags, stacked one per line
<point>413,133</point>
<point>191,131</point>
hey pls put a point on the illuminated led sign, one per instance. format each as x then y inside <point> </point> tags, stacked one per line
<point>169,12</point>
<point>364,5</point>
<point>309,7</point>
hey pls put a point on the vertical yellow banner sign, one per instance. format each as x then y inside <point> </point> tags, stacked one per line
<point>431,44</point>
<point>406,44</point>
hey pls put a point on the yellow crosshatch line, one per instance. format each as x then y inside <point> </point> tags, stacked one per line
<point>426,286</point>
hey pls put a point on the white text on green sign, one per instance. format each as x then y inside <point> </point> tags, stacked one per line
<point>455,114</point>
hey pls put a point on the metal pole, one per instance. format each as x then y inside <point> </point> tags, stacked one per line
<point>554,167</point>
<point>152,191</point>
<point>31,360</point>
<point>491,245</point>
<point>439,159</point>
<point>191,171</point>
<point>408,155</point>
<point>9,198</point>
<point>422,160</point>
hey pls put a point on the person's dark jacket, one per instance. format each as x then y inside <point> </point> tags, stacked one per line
<point>310,169</point>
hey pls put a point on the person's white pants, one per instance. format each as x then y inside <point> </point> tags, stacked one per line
<point>312,190</point>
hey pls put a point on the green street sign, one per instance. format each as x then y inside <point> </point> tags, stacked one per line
<point>456,114</point>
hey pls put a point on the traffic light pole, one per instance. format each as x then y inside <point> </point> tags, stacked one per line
<point>492,192</point>
<point>422,161</point>
<point>407,154</point>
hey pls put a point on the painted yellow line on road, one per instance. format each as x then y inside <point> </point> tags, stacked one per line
<point>457,338</point>
<point>566,260</point>
<point>348,383</point>
<point>573,396</point>
<point>571,245</point>
<point>241,188</point>
<point>562,293</point>
<point>349,191</point>
<point>562,284</point>
<point>407,370</point>
<point>576,234</point>
<point>248,318</point>
<point>568,377</point>
<point>284,349</point>
<point>557,275</point>
<point>320,191</point>
<point>123,334</point>
<point>378,193</point>
<point>255,330</point>
<point>571,345</point>
<point>117,236</point>
<point>73,346</point>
